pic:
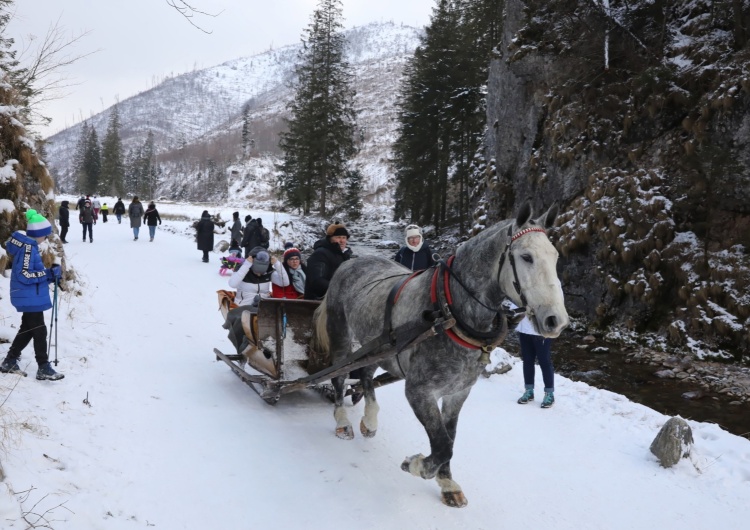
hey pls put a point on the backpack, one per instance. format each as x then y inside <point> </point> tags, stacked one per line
<point>265,237</point>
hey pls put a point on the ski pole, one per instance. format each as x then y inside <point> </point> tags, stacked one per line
<point>51,322</point>
<point>56,326</point>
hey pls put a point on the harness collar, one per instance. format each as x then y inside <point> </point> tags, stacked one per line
<point>463,334</point>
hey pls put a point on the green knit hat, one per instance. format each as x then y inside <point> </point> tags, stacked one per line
<point>37,225</point>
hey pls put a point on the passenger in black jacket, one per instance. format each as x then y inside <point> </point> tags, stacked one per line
<point>250,235</point>
<point>416,255</point>
<point>328,255</point>
<point>64,217</point>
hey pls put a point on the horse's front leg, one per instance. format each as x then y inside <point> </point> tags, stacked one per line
<point>424,404</point>
<point>369,424</point>
<point>450,491</point>
<point>344,428</point>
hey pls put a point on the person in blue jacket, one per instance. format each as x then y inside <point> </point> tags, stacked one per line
<point>29,294</point>
<point>416,255</point>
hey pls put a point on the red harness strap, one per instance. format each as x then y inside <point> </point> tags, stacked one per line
<point>449,299</point>
<point>410,278</point>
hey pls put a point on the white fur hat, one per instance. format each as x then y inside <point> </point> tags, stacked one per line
<point>412,231</point>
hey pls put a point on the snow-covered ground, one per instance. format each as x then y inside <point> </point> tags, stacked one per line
<point>148,430</point>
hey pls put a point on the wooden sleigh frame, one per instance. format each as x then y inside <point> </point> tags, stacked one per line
<point>284,326</point>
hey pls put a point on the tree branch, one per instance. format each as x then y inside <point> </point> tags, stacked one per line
<point>188,11</point>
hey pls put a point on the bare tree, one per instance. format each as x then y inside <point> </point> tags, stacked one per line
<point>189,12</point>
<point>42,79</point>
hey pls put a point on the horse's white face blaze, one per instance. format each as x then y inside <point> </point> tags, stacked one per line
<point>536,261</point>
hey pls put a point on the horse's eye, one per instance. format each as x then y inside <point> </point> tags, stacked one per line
<point>527,258</point>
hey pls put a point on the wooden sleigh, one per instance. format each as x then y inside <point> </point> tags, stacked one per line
<point>277,358</point>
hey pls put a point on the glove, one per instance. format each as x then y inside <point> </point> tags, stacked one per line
<point>54,272</point>
<point>159,222</point>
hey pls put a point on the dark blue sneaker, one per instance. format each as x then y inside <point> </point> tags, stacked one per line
<point>11,367</point>
<point>46,372</point>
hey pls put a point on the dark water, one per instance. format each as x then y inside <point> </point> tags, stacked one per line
<point>637,382</point>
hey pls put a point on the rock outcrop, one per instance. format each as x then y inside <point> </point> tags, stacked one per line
<point>636,119</point>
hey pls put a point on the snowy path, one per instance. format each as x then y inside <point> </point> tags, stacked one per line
<point>174,440</point>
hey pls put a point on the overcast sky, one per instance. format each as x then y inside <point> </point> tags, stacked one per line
<point>140,41</point>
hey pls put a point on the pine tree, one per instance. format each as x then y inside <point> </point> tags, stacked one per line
<point>113,166</point>
<point>148,170</point>
<point>11,73</point>
<point>319,143</point>
<point>91,165</point>
<point>352,199</point>
<point>246,140</point>
<point>442,111</point>
<point>79,158</point>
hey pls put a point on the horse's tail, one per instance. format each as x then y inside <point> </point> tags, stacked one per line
<point>320,343</point>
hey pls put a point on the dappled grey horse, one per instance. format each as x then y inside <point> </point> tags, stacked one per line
<point>513,259</point>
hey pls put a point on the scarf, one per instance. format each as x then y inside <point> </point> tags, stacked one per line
<point>298,279</point>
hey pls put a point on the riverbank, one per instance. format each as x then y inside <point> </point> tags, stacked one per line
<point>671,384</point>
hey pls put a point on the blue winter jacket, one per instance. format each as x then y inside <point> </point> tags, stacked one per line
<point>28,281</point>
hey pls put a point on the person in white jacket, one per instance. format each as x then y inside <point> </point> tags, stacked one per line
<point>535,347</point>
<point>253,279</point>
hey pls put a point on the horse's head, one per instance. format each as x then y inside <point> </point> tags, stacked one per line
<point>528,274</point>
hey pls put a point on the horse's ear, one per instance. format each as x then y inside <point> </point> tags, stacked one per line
<point>524,213</point>
<point>547,219</point>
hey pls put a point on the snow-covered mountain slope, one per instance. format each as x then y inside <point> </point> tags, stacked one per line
<point>198,116</point>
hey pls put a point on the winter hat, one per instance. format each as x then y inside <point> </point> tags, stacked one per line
<point>411,231</point>
<point>291,253</point>
<point>87,202</point>
<point>65,203</point>
<point>37,225</point>
<point>205,214</point>
<point>236,215</point>
<point>288,244</point>
<point>336,230</point>
<point>248,218</point>
<point>261,262</point>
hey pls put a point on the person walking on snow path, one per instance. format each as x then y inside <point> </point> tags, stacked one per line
<point>29,294</point>
<point>64,216</point>
<point>119,210</point>
<point>96,205</point>
<point>135,211</point>
<point>150,218</point>
<point>205,234</point>
<point>105,211</point>
<point>87,217</point>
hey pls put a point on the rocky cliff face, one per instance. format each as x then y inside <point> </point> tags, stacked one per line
<point>635,118</point>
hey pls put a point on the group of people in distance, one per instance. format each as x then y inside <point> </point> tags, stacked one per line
<point>89,210</point>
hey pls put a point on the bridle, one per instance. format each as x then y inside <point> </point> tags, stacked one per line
<point>512,260</point>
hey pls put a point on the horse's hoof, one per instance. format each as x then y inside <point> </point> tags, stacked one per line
<point>367,433</point>
<point>454,499</point>
<point>413,465</point>
<point>345,433</point>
